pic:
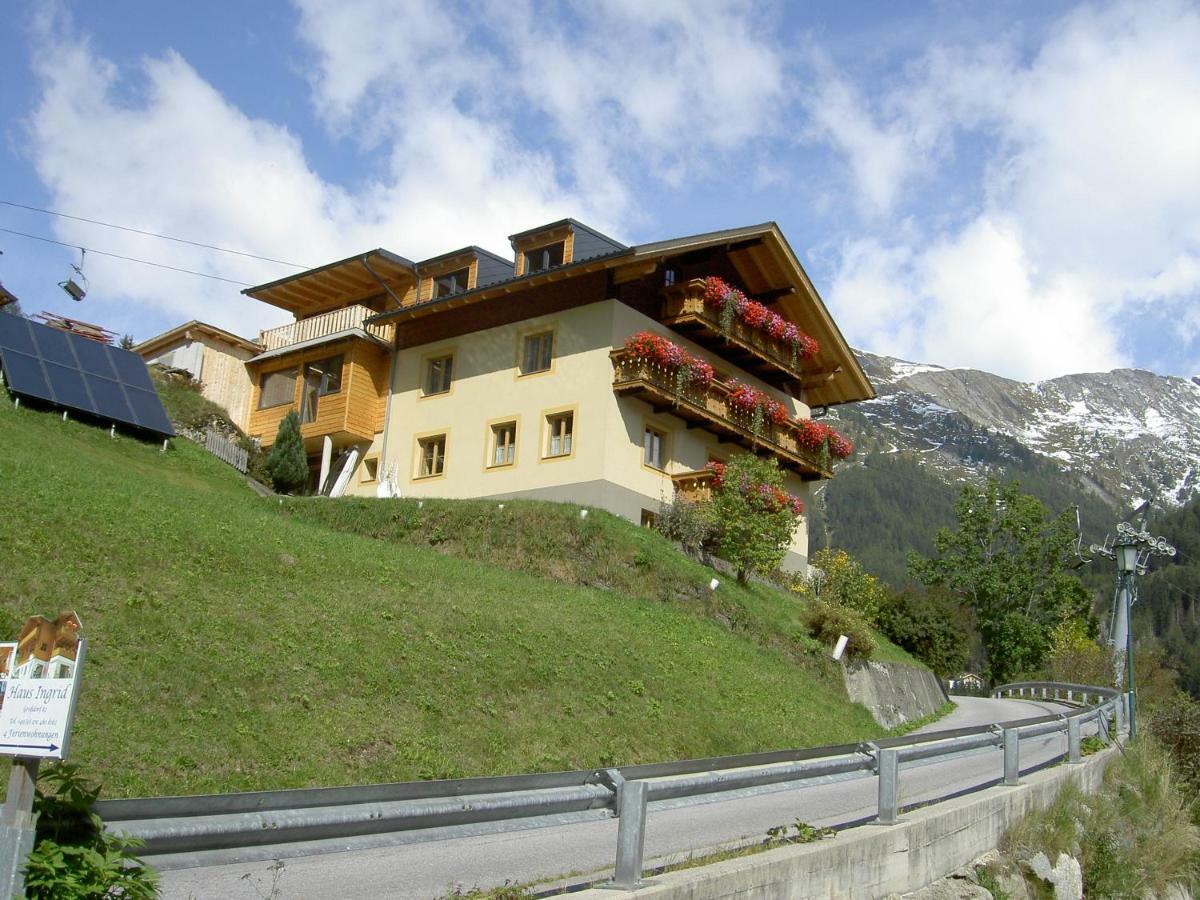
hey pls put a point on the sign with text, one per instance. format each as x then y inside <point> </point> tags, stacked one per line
<point>39,682</point>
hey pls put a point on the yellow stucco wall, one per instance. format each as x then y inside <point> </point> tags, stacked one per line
<point>486,389</point>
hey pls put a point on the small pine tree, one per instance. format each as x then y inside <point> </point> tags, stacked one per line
<point>126,342</point>
<point>287,463</point>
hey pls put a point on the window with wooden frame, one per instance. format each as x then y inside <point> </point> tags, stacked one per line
<point>542,258</point>
<point>321,378</point>
<point>431,456</point>
<point>451,283</point>
<point>276,388</point>
<point>560,434</point>
<point>503,445</point>
<point>537,352</point>
<point>654,447</point>
<point>439,372</point>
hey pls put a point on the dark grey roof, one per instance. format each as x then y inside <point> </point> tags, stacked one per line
<point>574,223</point>
<point>478,251</point>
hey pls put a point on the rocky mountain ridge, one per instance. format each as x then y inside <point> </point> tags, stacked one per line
<point>1124,435</point>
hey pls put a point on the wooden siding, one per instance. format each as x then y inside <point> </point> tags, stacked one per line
<point>538,301</point>
<point>354,413</point>
<point>224,379</point>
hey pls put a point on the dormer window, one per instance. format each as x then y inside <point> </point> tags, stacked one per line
<point>543,258</point>
<point>451,283</point>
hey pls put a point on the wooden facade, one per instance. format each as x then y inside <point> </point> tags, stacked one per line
<point>351,415</point>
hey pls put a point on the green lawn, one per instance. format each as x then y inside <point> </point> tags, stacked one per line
<point>241,643</point>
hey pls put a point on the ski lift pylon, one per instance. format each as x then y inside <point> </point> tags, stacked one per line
<point>76,284</point>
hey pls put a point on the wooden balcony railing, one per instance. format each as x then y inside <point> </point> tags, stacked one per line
<point>695,487</point>
<point>684,310</point>
<point>322,326</point>
<point>711,409</point>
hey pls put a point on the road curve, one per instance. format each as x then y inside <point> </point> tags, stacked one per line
<point>675,830</point>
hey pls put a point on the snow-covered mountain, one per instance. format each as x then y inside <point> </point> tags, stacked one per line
<point>1124,435</point>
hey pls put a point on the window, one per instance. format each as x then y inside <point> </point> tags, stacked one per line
<point>370,469</point>
<point>320,378</point>
<point>560,429</point>
<point>276,388</point>
<point>450,283</point>
<point>504,444</point>
<point>432,456</point>
<point>653,444</point>
<point>438,372</point>
<point>648,518</point>
<point>536,352</point>
<point>543,258</point>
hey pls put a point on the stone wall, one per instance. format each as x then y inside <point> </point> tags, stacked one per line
<point>893,692</point>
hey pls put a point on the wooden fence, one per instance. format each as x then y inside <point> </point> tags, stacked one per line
<point>225,450</point>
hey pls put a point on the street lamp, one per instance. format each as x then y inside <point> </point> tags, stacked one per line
<point>1132,550</point>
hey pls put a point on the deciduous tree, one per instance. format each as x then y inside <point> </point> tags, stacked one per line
<point>1008,561</point>
<point>753,513</point>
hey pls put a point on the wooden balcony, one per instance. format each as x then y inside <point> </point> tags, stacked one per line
<point>325,325</point>
<point>683,309</point>
<point>712,410</point>
<point>695,487</point>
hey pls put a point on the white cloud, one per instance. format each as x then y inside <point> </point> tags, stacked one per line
<point>1087,205</point>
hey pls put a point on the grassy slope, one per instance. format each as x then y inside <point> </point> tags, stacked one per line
<point>237,645</point>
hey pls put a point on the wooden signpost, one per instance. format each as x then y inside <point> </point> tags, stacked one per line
<point>39,684</point>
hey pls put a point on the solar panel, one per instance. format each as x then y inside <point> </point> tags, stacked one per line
<point>77,373</point>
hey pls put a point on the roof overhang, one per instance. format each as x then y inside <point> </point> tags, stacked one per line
<point>302,346</point>
<point>377,278</point>
<point>185,331</point>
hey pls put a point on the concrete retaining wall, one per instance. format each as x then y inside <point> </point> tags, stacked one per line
<point>893,692</point>
<point>875,861</point>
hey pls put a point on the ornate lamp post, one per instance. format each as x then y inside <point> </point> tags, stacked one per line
<point>1132,550</point>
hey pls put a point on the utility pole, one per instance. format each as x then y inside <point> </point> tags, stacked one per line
<point>1131,549</point>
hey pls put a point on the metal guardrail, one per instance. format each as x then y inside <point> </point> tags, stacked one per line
<point>210,827</point>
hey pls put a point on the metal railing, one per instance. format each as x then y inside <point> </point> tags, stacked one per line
<point>314,327</point>
<point>209,828</point>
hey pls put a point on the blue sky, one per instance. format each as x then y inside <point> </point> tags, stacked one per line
<point>1013,187</point>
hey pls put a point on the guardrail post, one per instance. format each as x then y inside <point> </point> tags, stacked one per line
<point>1012,756</point>
<point>1119,709</point>
<point>1043,693</point>
<point>889,787</point>
<point>1073,755</point>
<point>631,835</point>
<point>1070,695</point>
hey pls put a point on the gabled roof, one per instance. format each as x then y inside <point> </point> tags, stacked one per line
<point>477,251</point>
<point>573,223</point>
<point>763,258</point>
<point>181,332</point>
<point>337,284</point>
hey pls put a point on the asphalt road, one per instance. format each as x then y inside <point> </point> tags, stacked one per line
<point>676,829</point>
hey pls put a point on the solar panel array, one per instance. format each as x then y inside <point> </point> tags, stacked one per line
<point>81,374</point>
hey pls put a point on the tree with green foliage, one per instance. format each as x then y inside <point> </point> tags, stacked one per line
<point>287,463</point>
<point>753,514</point>
<point>1009,563</point>
<point>930,626</point>
<point>127,342</point>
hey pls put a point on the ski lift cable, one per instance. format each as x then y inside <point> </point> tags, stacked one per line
<point>165,237</point>
<point>144,262</point>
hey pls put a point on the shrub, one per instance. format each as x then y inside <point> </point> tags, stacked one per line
<point>686,522</point>
<point>836,577</point>
<point>1175,723</point>
<point>1075,657</point>
<point>826,622</point>
<point>930,626</point>
<point>287,464</point>
<point>73,855</point>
